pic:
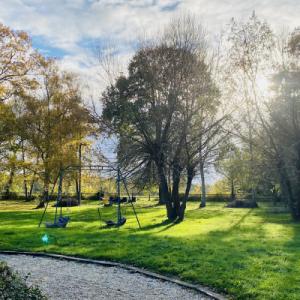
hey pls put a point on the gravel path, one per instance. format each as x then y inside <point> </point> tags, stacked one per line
<point>60,279</point>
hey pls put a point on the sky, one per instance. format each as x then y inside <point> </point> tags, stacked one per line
<point>71,30</point>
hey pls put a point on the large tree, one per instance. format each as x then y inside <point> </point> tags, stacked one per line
<point>156,106</point>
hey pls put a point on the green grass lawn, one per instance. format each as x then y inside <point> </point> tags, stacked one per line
<point>247,254</point>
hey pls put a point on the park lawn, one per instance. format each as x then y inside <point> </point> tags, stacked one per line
<point>245,253</point>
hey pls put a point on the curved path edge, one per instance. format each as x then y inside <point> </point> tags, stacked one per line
<point>199,288</point>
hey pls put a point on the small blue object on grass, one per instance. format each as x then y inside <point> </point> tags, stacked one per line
<point>45,239</point>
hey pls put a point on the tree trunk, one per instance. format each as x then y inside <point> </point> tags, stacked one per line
<point>165,195</point>
<point>161,198</point>
<point>45,197</point>
<point>296,206</point>
<point>79,174</point>
<point>203,189</point>
<point>25,190</point>
<point>232,196</point>
<point>24,173</point>
<point>31,190</point>
<point>175,192</point>
<point>9,182</point>
<point>77,189</point>
<point>190,176</point>
<point>286,188</point>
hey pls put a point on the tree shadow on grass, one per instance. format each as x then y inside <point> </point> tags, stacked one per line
<point>240,221</point>
<point>204,214</point>
<point>167,223</point>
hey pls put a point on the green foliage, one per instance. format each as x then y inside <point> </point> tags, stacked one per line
<point>12,286</point>
<point>248,254</point>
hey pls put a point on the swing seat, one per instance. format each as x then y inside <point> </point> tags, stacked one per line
<point>60,223</point>
<point>111,223</point>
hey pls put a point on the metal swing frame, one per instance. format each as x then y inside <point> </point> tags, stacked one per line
<point>120,219</point>
<point>61,221</point>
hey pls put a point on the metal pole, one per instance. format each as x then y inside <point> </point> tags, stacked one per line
<point>133,208</point>
<point>119,196</point>
<point>59,195</point>
<point>41,220</point>
<point>79,175</point>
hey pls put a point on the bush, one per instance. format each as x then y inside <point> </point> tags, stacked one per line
<point>242,204</point>
<point>12,286</point>
<point>209,197</point>
<point>8,196</point>
<point>92,196</point>
<point>218,198</point>
<point>66,203</point>
<point>23,197</point>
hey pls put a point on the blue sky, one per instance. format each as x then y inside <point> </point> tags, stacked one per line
<point>71,29</point>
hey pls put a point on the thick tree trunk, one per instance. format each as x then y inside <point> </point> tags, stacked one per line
<point>175,191</point>
<point>190,176</point>
<point>165,194</point>
<point>161,198</point>
<point>203,189</point>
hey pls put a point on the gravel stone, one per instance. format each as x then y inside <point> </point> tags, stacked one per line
<point>60,279</point>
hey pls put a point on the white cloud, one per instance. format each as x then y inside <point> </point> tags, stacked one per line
<point>70,24</point>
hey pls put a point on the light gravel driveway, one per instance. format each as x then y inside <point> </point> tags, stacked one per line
<point>60,279</point>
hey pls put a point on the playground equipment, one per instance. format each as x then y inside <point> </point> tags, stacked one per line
<point>61,221</point>
<point>120,219</point>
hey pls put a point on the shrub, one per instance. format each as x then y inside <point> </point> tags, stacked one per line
<point>8,196</point>
<point>66,203</point>
<point>92,196</point>
<point>242,204</point>
<point>209,197</point>
<point>12,286</point>
<point>218,198</point>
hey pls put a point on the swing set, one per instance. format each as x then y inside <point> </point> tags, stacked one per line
<point>61,221</point>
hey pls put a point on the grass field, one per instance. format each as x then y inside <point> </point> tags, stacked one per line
<point>247,254</point>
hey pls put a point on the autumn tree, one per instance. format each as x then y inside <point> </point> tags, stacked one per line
<point>54,122</point>
<point>17,74</point>
<point>17,62</point>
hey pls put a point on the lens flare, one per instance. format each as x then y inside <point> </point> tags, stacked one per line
<point>45,239</point>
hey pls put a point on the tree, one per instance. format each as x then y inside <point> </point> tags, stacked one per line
<point>231,164</point>
<point>17,59</point>
<point>250,48</point>
<point>156,105</point>
<point>54,122</point>
<point>17,64</point>
<point>284,110</point>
